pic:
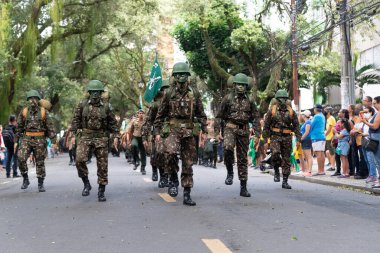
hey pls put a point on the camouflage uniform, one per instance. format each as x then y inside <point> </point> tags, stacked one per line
<point>179,107</point>
<point>236,111</point>
<point>94,121</point>
<point>33,127</point>
<point>280,122</point>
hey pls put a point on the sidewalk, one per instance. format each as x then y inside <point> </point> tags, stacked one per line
<point>348,183</point>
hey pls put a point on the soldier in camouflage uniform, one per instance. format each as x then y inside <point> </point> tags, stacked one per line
<point>179,107</point>
<point>236,111</point>
<point>157,159</point>
<point>280,122</point>
<point>94,121</point>
<point>33,127</point>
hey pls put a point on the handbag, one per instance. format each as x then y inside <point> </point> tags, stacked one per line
<point>370,144</point>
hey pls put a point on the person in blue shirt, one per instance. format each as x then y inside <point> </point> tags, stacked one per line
<point>344,147</point>
<point>318,138</point>
<point>306,143</point>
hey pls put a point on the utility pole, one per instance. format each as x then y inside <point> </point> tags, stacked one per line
<point>347,85</point>
<point>294,55</point>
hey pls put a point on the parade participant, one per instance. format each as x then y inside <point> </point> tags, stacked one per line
<point>94,121</point>
<point>157,159</point>
<point>33,127</point>
<point>211,144</point>
<point>175,117</point>
<point>236,111</point>
<point>280,122</point>
<point>134,140</point>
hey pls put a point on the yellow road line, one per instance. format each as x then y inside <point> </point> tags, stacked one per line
<point>216,246</point>
<point>167,197</point>
<point>148,180</point>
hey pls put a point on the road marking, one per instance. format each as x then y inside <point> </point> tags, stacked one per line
<point>148,180</point>
<point>167,197</point>
<point>216,246</point>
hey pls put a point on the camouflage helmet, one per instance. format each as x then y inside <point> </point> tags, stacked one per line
<point>32,93</point>
<point>95,85</point>
<point>241,78</point>
<point>281,94</point>
<point>181,67</point>
<point>165,84</point>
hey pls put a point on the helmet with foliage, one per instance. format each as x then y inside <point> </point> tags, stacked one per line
<point>181,67</point>
<point>95,85</point>
<point>32,93</point>
<point>281,94</point>
<point>241,78</point>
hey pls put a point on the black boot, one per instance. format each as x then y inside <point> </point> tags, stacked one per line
<point>285,184</point>
<point>143,172</point>
<point>41,187</point>
<point>243,189</point>
<point>25,182</point>
<point>102,189</point>
<point>164,181</point>
<point>87,186</point>
<point>186,197</point>
<point>276,174</point>
<point>230,175</point>
<point>173,185</point>
<point>154,173</point>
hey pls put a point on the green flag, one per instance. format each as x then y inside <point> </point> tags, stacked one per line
<point>155,81</point>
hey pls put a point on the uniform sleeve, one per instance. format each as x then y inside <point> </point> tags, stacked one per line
<point>76,123</point>
<point>162,113</point>
<point>49,126</point>
<point>200,114</point>
<point>112,124</point>
<point>267,125</point>
<point>220,115</point>
<point>20,129</point>
<point>255,119</point>
<point>296,126</point>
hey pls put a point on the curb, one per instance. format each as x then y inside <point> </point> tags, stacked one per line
<point>335,184</point>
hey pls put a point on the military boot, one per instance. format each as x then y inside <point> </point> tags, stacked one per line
<point>276,174</point>
<point>173,185</point>
<point>243,189</point>
<point>143,172</point>
<point>285,184</point>
<point>102,189</point>
<point>230,175</point>
<point>25,182</point>
<point>187,198</point>
<point>41,187</point>
<point>154,173</point>
<point>164,181</point>
<point>87,186</point>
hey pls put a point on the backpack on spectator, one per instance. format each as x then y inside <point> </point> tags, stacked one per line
<point>8,136</point>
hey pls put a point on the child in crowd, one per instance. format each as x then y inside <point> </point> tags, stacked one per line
<point>343,148</point>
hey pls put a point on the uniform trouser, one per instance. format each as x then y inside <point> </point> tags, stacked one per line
<point>181,141</point>
<point>160,159</point>
<point>100,148</point>
<point>211,153</point>
<point>220,149</point>
<point>11,154</point>
<point>240,139</point>
<point>138,147</point>
<point>281,147</point>
<point>38,147</point>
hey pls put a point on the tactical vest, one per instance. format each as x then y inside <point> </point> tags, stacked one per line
<point>38,122</point>
<point>183,107</point>
<point>277,116</point>
<point>94,117</point>
<point>239,113</point>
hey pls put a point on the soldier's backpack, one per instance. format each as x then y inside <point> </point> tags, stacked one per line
<point>41,114</point>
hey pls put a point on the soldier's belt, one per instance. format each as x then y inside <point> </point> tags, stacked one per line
<point>235,126</point>
<point>35,134</point>
<point>282,131</point>
<point>181,124</point>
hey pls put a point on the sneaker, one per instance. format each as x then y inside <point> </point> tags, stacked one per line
<point>371,179</point>
<point>331,169</point>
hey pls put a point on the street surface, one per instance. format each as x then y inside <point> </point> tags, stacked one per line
<point>135,218</point>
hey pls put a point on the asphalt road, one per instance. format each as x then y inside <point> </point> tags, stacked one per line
<point>309,218</point>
